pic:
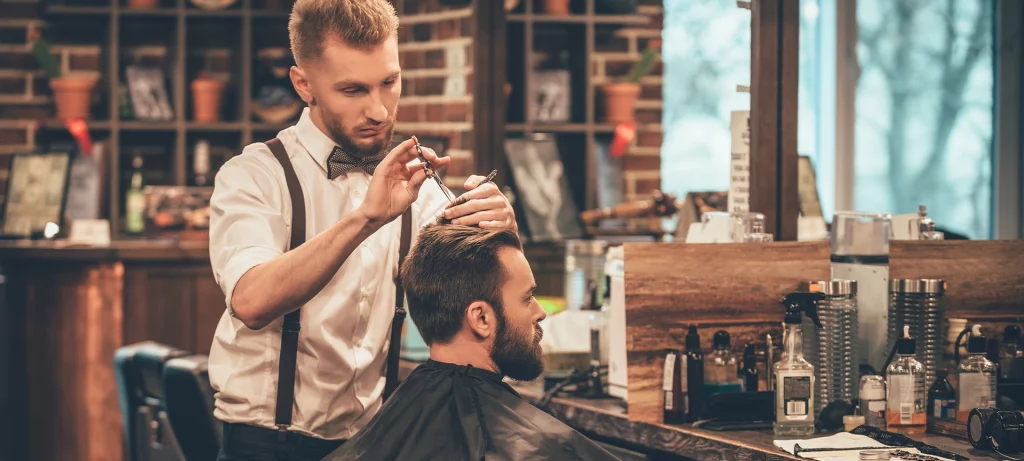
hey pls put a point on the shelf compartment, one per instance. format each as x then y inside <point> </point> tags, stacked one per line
<point>214,45</point>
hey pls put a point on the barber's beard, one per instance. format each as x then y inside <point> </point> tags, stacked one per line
<point>379,148</point>
<point>517,356</point>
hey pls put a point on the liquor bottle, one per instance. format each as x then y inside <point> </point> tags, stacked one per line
<point>794,375</point>
<point>905,396</point>
<point>135,201</point>
<point>201,164</point>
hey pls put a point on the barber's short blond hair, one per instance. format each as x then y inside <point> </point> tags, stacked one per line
<point>358,23</point>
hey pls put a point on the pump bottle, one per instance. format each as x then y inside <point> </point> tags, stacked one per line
<point>976,376</point>
<point>905,395</point>
<point>794,375</point>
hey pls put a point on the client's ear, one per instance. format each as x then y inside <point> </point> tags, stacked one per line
<point>481,319</point>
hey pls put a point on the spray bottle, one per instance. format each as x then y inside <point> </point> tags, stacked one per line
<point>793,375</point>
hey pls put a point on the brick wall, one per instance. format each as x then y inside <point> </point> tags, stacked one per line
<point>435,46</point>
<point>25,96</point>
<point>614,59</point>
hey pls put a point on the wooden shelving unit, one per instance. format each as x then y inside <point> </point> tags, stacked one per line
<point>531,34</point>
<point>182,29</point>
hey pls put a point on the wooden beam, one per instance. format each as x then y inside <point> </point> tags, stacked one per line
<point>775,50</point>
<point>489,56</point>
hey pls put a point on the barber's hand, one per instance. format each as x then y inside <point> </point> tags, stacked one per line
<point>485,207</point>
<point>396,182</point>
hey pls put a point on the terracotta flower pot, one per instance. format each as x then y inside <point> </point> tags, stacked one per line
<point>73,96</point>
<point>556,7</point>
<point>206,97</point>
<point>620,101</point>
<point>142,4</point>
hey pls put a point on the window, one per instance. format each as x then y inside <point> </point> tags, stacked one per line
<point>923,120</point>
<point>706,53</point>
<point>924,112</point>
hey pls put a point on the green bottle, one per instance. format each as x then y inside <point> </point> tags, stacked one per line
<point>135,201</point>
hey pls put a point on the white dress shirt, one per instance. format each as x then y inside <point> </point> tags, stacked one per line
<point>344,329</point>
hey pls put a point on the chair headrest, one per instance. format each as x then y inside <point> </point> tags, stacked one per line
<point>140,369</point>
<point>189,399</point>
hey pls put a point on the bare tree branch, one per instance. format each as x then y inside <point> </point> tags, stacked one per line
<point>954,82</point>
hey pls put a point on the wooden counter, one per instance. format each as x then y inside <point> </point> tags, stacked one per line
<point>606,420</point>
<point>64,311</point>
<point>121,250</point>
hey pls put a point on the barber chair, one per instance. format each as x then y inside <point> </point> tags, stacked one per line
<point>148,434</point>
<point>189,403</point>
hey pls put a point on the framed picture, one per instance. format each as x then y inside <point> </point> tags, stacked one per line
<point>148,93</point>
<point>550,96</point>
<point>807,187</point>
<point>542,189</point>
<point>36,193</point>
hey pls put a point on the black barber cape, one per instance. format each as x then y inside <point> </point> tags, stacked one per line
<point>459,413</point>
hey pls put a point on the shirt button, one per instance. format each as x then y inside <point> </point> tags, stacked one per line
<point>358,193</point>
<point>359,343</point>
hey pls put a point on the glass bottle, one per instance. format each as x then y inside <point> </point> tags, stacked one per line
<point>693,380</point>
<point>1011,354</point>
<point>976,377</point>
<point>905,396</point>
<point>135,201</point>
<point>794,376</point>
<point>941,398</point>
<point>750,374</point>
<point>720,368</point>
<point>872,400</point>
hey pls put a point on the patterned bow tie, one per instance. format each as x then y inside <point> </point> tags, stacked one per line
<point>341,162</point>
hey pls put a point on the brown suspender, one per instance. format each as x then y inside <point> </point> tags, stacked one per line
<point>290,329</point>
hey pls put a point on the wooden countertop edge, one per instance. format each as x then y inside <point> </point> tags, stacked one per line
<point>139,250</point>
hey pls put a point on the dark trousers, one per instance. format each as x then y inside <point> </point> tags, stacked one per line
<point>252,443</point>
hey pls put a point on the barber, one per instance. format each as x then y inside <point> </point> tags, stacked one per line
<point>355,190</point>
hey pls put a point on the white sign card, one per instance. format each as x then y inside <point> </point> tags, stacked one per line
<point>739,169</point>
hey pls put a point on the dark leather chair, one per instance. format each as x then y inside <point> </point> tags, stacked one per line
<point>189,403</point>
<point>147,431</point>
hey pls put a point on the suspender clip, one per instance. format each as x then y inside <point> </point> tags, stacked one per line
<point>291,327</point>
<point>282,433</point>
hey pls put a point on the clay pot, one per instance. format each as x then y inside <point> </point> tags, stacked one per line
<point>620,101</point>
<point>73,96</point>
<point>143,4</point>
<point>556,7</point>
<point>206,97</point>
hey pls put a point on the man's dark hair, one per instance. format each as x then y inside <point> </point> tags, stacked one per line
<point>450,268</point>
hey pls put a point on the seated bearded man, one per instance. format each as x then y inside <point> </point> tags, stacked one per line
<point>470,294</point>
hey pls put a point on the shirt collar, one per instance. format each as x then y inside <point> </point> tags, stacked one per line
<point>318,144</point>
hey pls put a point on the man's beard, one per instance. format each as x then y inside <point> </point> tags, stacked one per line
<point>379,148</point>
<point>516,356</point>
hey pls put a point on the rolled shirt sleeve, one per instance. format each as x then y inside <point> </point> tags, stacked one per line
<point>248,224</point>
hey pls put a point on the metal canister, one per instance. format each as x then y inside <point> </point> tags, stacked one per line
<point>584,269</point>
<point>832,349</point>
<point>917,303</point>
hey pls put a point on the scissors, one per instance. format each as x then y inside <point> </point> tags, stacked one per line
<point>429,169</point>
